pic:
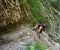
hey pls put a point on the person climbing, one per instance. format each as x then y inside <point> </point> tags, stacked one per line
<point>40,27</point>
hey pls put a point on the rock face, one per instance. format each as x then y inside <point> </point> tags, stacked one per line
<point>19,39</point>
<point>49,43</point>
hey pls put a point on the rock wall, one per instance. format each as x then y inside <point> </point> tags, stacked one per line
<point>22,37</point>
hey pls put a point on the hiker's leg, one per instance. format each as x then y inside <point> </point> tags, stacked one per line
<point>40,28</point>
<point>39,31</point>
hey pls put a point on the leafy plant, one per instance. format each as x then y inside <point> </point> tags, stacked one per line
<point>36,46</point>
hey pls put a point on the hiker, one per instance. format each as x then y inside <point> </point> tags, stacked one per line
<point>40,27</point>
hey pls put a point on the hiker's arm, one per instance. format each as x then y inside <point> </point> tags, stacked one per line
<point>35,26</point>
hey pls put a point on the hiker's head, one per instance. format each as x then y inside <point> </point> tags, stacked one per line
<point>43,23</point>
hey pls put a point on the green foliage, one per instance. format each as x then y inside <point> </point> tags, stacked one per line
<point>36,46</point>
<point>31,47</point>
<point>39,12</point>
<point>56,4</point>
<point>58,40</point>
